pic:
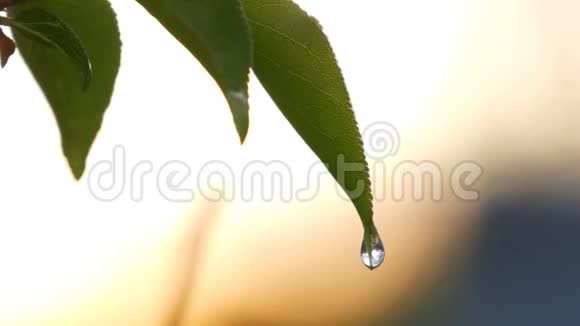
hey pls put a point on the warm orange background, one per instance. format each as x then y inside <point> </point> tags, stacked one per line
<point>492,81</point>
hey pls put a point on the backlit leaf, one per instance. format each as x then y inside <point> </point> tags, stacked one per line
<point>78,111</point>
<point>294,61</point>
<point>216,32</point>
<point>41,26</point>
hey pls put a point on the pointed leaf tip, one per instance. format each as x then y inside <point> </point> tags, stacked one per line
<point>217,33</point>
<point>79,111</point>
<point>295,63</point>
<point>238,101</point>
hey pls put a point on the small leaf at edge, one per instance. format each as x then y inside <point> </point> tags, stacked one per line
<point>7,48</point>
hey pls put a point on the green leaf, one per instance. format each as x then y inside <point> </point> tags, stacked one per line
<point>78,111</point>
<point>295,63</point>
<point>41,26</point>
<point>216,32</point>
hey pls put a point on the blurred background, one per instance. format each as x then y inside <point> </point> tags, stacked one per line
<point>486,81</point>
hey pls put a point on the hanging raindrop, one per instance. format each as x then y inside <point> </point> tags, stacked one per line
<point>372,252</point>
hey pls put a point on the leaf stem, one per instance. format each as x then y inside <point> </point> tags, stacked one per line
<point>5,21</point>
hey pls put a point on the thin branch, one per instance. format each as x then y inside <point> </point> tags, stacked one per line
<point>196,244</point>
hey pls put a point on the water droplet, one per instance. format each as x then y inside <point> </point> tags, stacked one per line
<point>372,252</point>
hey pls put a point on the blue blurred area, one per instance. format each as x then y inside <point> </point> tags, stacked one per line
<point>523,268</point>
